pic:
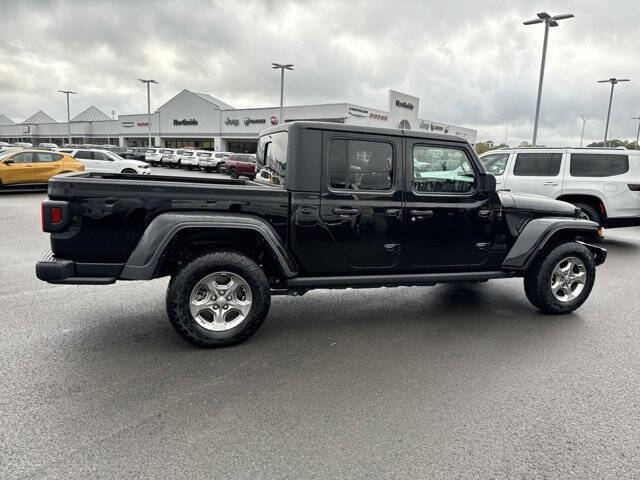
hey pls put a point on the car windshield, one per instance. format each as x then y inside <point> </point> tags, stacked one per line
<point>7,153</point>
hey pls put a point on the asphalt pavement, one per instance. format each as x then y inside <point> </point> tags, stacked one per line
<point>441,382</point>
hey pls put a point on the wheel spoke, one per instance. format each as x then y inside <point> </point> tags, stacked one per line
<point>568,279</point>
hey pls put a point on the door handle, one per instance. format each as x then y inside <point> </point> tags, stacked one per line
<point>345,211</point>
<point>392,212</point>
<point>551,184</point>
<point>420,214</point>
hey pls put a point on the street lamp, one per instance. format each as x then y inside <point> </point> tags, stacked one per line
<point>148,82</point>
<point>282,68</point>
<point>637,134</point>
<point>613,82</point>
<point>584,120</point>
<point>548,21</point>
<point>67,92</point>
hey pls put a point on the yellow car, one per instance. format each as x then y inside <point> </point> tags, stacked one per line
<point>34,167</point>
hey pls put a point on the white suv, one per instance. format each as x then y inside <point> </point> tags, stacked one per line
<point>603,182</point>
<point>214,162</point>
<point>153,156</point>
<point>189,159</point>
<point>104,161</point>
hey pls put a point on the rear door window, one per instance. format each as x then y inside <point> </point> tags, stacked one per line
<point>83,155</point>
<point>598,165</point>
<point>360,165</point>
<point>43,157</point>
<point>537,164</point>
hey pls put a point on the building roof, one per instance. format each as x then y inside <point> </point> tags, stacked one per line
<point>39,117</point>
<point>4,120</point>
<point>91,114</point>
<point>219,103</point>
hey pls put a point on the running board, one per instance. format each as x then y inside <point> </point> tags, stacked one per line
<point>393,280</point>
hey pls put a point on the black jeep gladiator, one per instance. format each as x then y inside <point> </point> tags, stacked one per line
<point>338,206</point>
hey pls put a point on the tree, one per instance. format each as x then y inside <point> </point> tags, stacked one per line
<point>481,147</point>
<point>524,144</point>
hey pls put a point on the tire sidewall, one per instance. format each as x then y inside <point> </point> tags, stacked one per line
<point>591,212</point>
<point>181,286</point>
<point>538,285</point>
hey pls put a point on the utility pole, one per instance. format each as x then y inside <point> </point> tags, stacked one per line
<point>613,82</point>
<point>67,93</point>
<point>148,82</point>
<point>582,134</point>
<point>549,21</point>
<point>637,134</point>
<point>282,68</point>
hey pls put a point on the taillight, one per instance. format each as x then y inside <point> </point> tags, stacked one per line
<point>56,215</point>
<point>42,215</point>
<point>634,187</point>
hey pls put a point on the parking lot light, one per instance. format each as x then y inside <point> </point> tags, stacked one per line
<point>613,82</point>
<point>282,68</point>
<point>67,93</point>
<point>549,21</point>
<point>584,120</point>
<point>148,82</point>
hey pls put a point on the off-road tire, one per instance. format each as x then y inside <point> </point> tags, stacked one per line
<point>537,279</point>
<point>182,283</point>
<point>591,212</point>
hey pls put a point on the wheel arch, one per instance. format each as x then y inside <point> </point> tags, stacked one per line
<point>541,233</point>
<point>172,238</point>
<point>590,199</point>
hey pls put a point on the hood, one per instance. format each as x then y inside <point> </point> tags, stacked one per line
<point>134,163</point>
<point>536,203</point>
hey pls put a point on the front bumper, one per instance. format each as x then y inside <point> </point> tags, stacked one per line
<point>59,271</point>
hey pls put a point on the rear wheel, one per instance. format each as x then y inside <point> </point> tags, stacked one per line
<point>590,212</point>
<point>233,173</point>
<point>218,299</point>
<point>561,281</point>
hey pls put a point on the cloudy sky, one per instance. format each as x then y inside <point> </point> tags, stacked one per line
<point>471,62</point>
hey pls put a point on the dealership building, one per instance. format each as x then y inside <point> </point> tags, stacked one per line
<point>202,121</point>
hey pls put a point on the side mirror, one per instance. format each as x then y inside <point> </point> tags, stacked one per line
<point>8,162</point>
<point>487,183</point>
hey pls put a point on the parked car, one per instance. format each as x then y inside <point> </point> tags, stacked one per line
<point>134,153</point>
<point>22,144</point>
<point>228,250</point>
<point>603,182</point>
<point>3,144</point>
<point>238,164</point>
<point>268,177</point>
<point>153,156</point>
<point>213,162</point>
<point>48,146</point>
<point>105,161</point>
<point>189,159</point>
<point>33,168</point>
<point>171,157</point>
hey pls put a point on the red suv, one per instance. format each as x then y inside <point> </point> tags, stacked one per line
<point>241,164</point>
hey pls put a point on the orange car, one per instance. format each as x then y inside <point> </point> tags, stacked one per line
<point>24,168</point>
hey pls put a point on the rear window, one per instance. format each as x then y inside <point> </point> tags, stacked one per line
<point>495,163</point>
<point>166,151</point>
<point>537,164</point>
<point>272,155</point>
<point>187,154</point>
<point>598,165</point>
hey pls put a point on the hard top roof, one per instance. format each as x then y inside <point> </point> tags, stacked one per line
<point>341,127</point>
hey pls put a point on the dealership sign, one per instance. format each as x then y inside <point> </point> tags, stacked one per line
<point>250,121</point>
<point>128,124</point>
<point>407,105</point>
<point>274,120</point>
<point>146,124</point>
<point>184,122</point>
<point>358,112</point>
<point>378,116</point>
<point>434,127</point>
<point>232,121</point>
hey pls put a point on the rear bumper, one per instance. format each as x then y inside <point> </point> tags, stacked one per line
<point>621,222</point>
<point>59,271</point>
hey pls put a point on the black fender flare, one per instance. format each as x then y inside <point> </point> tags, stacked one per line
<point>537,232</point>
<point>144,260</point>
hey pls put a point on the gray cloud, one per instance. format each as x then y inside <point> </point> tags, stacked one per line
<point>472,63</point>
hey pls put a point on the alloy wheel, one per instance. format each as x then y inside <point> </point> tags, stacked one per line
<point>568,279</point>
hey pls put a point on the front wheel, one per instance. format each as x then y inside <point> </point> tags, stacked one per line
<point>561,281</point>
<point>218,299</point>
<point>128,170</point>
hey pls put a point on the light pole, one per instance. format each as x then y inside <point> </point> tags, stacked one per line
<point>282,68</point>
<point>584,120</point>
<point>148,82</point>
<point>67,92</point>
<point>637,134</point>
<point>548,21</point>
<point>613,82</point>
